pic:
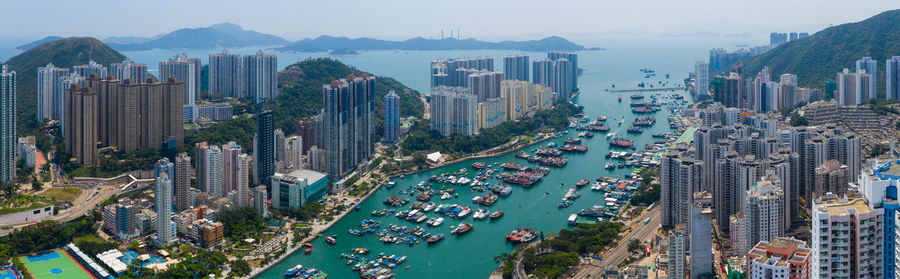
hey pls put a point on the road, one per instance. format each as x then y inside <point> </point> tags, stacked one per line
<point>614,256</point>
<point>89,198</point>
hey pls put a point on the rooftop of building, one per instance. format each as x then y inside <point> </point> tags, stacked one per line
<point>836,207</point>
<point>889,170</point>
<point>309,175</point>
<point>775,251</point>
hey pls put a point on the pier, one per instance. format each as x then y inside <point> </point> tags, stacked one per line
<point>647,89</point>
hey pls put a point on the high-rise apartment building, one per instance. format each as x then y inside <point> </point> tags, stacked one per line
<point>81,131</point>
<point>50,92</point>
<point>701,78</point>
<point>226,73</point>
<point>854,88</point>
<point>264,151</point>
<point>230,152</point>
<point>91,68</point>
<point>679,179</point>
<point>349,123</point>
<point>182,187</point>
<point>454,110</point>
<point>491,112</point>
<point>210,169</point>
<point>7,125</point>
<point>515,67</point>
<point>484,84</point>
<point>149,114</point>
<point>847,239</point>
<point>261,77</point>
<point>260,198</point>
<point>786,258</point>
<point>677,251</point>
<point>763,211</point>
<point>163,203</point>
<point>878,187</point>
<point>557,74</point>
<point>892,78</point>
<point>831,177</point>
<point>242,192</point>
<point>137,73</point>
<point>733,91</point>
<point>572,72</point>
<point>869,66</point>
<point>187,71</point>
<point>701,239</point>
<point>391,117</point>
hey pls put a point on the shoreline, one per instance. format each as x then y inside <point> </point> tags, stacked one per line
<point>314,234</point>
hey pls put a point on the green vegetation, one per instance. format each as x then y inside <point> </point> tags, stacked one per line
<point>584,240</point>
<point>818,58</point>
<point>240,267</point>
<point>111,163</point>
<point>63,194</point>
<point>881,106</point>
<point>301,92</point>
<point>304,212</point>
<point>241,223</point>
<point>879,149</point>
<point>422,138</point>
<point>196,264</point>
<point>92,245</point>
<point>300,96</point>
<point>797,120</point>
<point>64,53</point>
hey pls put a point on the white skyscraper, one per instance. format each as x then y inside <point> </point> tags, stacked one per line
<point>677,252</point>
<point>50,92</point>
<point>701,75</point>
<point>163,195</point>
<point>186,70</point>
<point>92,67</point>
<point>679,179</point>
<point>262,76</point>
<point>7,125</point>
<point>454,110</point>
<point>213,160</point>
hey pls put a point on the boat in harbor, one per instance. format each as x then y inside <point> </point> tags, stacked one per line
<point>645,109</point>
<point>610,135</point>
<point>291,272</point>
<point>570,141</point>
<point>521,235</point>
<point>609,166</point>
<point>660,135</point>
<point>478,165</point>
<point>573,148</point>
<point>573,219</point>
<point>637,97</point>
<point>480,214</point>
<point>601,118</point>
<point>620,99</point>
<point>622,142</point>
<point>496,214</point>
<point>644,121</point>
<point>462,228</point>
<point>572,194</point>
<point>582,183</point>
<point>331,240</point>
<point>436,222</point>
<point>635,130</point>
<point>564,203</point>
<point>435,238</point>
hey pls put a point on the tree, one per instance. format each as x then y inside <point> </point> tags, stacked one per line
<point>241,223</point>
<point>36,186</point>
<point>634,245</point>
<point>240,267</point>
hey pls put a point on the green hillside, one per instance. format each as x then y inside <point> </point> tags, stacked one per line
<point>66,53</point>
<point>300,96</point>
<point>819,57</point>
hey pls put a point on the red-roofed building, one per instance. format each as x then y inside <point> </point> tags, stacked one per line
<point>779,258</point>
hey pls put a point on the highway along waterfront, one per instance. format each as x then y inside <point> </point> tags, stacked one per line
<point>470,254</point>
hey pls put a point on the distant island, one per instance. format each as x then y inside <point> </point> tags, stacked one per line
<point>214,36</point>
<point>343,52</point>
<point>327,43</point>
<point>38,42</point>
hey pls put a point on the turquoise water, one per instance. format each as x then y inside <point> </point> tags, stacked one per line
<point>471,255</point>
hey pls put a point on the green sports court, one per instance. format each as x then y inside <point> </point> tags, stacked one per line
<point>54,264</point>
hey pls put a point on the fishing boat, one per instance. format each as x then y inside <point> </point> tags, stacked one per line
<point>660,135</point>
<point>635,130</point>
<point>637,97</point>
<point>610,135</point>
<point>462,228</point>
<point>601,118</point>
<point>478,165</point>
<point>646,109</point>
<point>622,142</point>
<point>496,214</point>
<point>435,238</point>
<point>331,240</point>
<point>582,183</point>
<point>564,203</point>
<point>609,166</point>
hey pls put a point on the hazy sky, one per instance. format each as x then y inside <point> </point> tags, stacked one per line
<point>400,19</point>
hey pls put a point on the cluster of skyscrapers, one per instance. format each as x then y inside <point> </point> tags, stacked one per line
<point>348,123</point>
<point>760,93</point>
<point>187,70</point>
<point>776,38</point>
<point>758,173</point>
<point>468,95</point>
<point>254,77</point>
